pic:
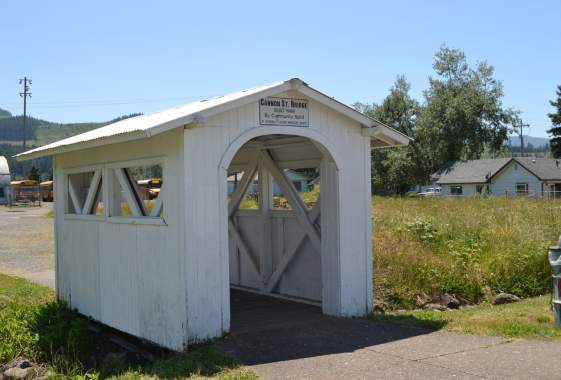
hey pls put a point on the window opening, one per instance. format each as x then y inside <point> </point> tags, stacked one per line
<point>85,193</point>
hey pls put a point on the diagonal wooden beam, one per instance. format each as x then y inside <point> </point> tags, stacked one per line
<point>242,246</point>
<point>291,252</point>
<point>136,192</point>
<point>127,191</point>
<point>158,204</point>
<point>74,197</point>
<point>248,176</point>
<point>92,192</point>
<point>294,199</point>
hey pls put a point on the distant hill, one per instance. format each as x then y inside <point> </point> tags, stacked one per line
<point>537,142</point>
<point>38,133</point>
<point>4,114</point>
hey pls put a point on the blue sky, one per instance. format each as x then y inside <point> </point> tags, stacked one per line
<point>93,61</point>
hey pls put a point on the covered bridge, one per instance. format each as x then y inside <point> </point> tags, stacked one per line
<point>162,268</point>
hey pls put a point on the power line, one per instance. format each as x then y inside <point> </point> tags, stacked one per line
<point>26,83</point>
<point>88,103</point>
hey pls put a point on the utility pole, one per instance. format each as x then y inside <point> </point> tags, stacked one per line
<point>26,82</point>
<point>522,126</point>
<point>519,126</point>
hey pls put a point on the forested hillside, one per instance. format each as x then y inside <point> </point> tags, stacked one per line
<point>38,133</point>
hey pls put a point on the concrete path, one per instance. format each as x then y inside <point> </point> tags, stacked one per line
<point>285,340</point>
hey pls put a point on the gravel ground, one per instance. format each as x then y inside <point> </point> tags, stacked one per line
<point>27,243</point>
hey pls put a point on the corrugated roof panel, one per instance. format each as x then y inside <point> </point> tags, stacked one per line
<point>148,125</point>
<point>144,123</point>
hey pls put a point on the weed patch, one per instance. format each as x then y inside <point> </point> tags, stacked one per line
<point>471,247</point>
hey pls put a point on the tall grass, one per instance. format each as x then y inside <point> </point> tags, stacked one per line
<point>472,247</point>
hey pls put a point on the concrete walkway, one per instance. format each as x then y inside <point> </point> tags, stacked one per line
<point>285,340</point>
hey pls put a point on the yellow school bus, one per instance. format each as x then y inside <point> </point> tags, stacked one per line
<point>47,191</point>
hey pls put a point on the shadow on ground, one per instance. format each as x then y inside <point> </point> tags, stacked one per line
<point>266,329</point>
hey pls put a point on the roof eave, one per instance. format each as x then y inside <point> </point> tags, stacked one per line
<point>115,139</point>
<point>389,136</point>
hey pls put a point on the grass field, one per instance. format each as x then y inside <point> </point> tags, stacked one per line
<point>34,326</point>
<point>471,247</point>
<point>529,318</point>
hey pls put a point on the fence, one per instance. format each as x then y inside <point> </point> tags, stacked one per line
<point>22,195</point>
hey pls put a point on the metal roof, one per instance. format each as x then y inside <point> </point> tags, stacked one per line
<point>148,125</point>
<point>480,171</point>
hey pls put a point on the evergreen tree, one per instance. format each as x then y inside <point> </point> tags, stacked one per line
<point>555,130</point>
<point>34,173</point>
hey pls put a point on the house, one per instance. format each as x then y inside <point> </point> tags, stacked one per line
<point>5,180</point>
<point>299,180</point>
<point>162,269</point>
<point>501,176</point>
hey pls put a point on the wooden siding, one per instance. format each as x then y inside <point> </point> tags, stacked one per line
<point>505,181</point>
<point>345,256</point>
<point>128,276</point>
<point>170,283</point>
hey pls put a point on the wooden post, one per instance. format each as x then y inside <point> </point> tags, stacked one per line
<point>265,208</point>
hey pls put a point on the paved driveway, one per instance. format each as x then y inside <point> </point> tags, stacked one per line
<point>287,340</point>
<point>26,243</point>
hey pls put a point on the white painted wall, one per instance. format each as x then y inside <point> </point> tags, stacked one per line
<point>125,275</point>
<point>346,260</point>
<point>504,182</point>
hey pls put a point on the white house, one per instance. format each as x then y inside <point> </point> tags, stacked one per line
<point>5,179</point>
<point>501,176</point>
<point>162,269</point>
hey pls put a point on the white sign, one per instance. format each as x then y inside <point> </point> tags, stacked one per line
<point>283,111</point>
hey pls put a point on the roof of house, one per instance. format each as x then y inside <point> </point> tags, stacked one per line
<point>480,171</point>
<point>144,126</point>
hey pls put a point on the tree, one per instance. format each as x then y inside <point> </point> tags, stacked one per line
<point>464,113</point>
<point>392,169</point>
<point>34,173</point>
<point>555,130</point>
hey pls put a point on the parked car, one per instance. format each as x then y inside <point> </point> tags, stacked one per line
<point>431,192</point>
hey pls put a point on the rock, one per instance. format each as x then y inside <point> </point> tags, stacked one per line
<point>17,373</point>
<point>435,307</point>
<point>447,300</point>
<point>503,298</point>
<point>421,299</point>
<point>19,363</point>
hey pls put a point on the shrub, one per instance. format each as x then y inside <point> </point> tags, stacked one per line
<point>16,337</point>
<point>60,330</point>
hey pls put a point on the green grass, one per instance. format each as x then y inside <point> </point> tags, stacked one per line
<point>471,247</point>
<point>34,325</point>
<point>529,318</point>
